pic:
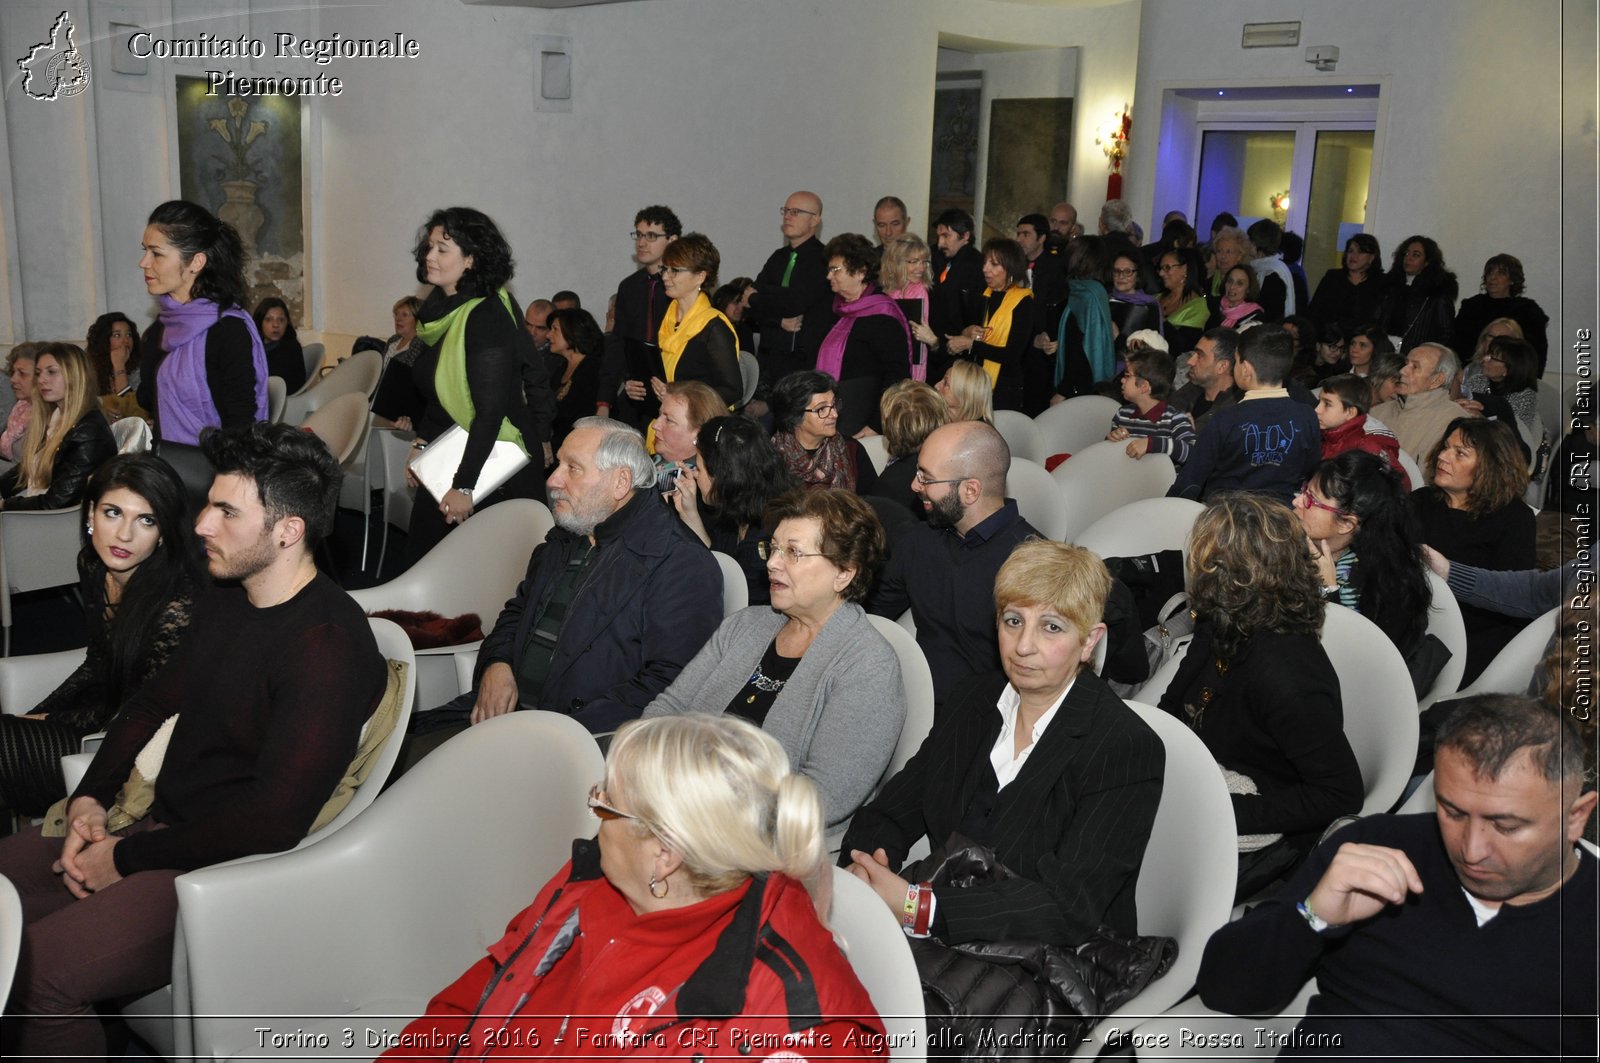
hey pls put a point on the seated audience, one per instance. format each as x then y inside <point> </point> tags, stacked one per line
<point>285,358</point>
<point>1267,442</point>
<point>1148,421</point>
<point>944,571</point>
<point>869,346</point>
<point>19,370</point>
<point>397,403</point>
<point>910,411</point>
<point>67,437</point>
<point>1351,296</point>
<point>1239,303</point>
<point>1275,283</point>
<point>1132,308</point>
<point>113,350</point>
<point>1422,408</point>
<point>805,418</point>
<point>1472,378</point>
<point>1384,377</point>
<point>137,576</point>
<point>731,300</point>
<point>1305,347</point>
<point>1229,248</point>
<point>1257,687</point>
<point>1342,415</point>
<point>269,690</point>
<point>684,406</point>
<point>576,340</point>
<point>697,343</point>
<point>1501,296</point>
<point>1042,763</point>
<point>616,600</point>
<point>1511,390</point>
<point>1364,539</point>
<point>809,669</point>
<point>1473,513</point>
<point>1331,359</point>
<point>1421,296</point>
<point>1184,310</point>
<point>1364,346</point>
<point>737,474</point>
<point>1463,933</point>
<point>1209,368</point>
<point>1293,248</point>
<point>693,915</point>
<point>968,394</point>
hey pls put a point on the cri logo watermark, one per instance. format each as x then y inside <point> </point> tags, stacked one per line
<point>55,68</point>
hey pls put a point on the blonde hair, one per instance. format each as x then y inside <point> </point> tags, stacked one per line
<point>43,439</point>
<point>894,268</point>
<point>720,793</point>
<point>973,393</point>
<point>1069,579</point>
<point>1484,336</point>
<point>910,410</point>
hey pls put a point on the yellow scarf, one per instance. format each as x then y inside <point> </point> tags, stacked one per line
<point>997,326</point>
<point>675,335</point>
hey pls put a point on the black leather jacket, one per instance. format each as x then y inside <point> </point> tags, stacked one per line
<point>88,445</point>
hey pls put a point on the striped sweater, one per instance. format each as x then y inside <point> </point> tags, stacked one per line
<point>1170,431</point>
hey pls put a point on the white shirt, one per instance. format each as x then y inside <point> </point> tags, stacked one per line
<point>1007,766</point>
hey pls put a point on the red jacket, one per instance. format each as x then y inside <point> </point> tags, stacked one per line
<point>1358,433</point>
<point>748,973</point>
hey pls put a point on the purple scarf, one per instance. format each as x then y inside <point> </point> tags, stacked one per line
<point>184,405</point>
<point>830,356</point>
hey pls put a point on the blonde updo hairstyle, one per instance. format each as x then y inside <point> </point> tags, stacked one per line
<point>973,393</point>
<point>720,793</point>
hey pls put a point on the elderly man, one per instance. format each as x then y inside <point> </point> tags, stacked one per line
<point>1423,408</point>
<point>269,691</point>
<point>616,600</point>
<point>792,302</point>
<point>1467,933</point>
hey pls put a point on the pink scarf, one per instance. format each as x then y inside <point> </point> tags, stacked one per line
<point>1231,317</point>
<point>919,363</point>
<point>830,356</point>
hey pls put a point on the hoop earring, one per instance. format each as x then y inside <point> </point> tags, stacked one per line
<point>654,882</point>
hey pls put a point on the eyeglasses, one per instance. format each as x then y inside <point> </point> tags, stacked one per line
<point>1124,273</point>
<point>1169,267</point>
<point>652,237</point>
<point>1312,502</point>
<point>1488,356</point>
<point>789,212</point>
<point>927,481</point>
<point>835,269</point>
<point>827,409</point>
<point>771,548</point>
<point>675,270</point>
<point>603,811</point>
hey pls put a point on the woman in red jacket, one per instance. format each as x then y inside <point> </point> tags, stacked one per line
<point>687,929</point>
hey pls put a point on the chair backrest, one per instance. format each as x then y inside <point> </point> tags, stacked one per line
<point>1101,478</point>
<point>1412,469</point>
<point>395,451</point>
<point>38,549</point>
<point>358,373</point>
<point>1445,622</point>
<point>474,569</point>
<point>917,679</point>
<point>341,423</point>
<point>133,435</point>
<point>312,352</point>
<point>749,376</point>
<point>1511,671</point>
<point>735,588</point>
<point>874,446</point>
<point>1147,526</point>
<point>334,914</point>
<point>277,395</point>
<point>26,681</point>
<point>1555,402</point>
<point>11,935</point>
<point>878,952</point>
<point>1037,497</point>
<point>1380,710</point>
<point>1021,435</point>
<point>1081,421</point>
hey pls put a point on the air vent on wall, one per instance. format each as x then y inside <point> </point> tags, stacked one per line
<point>1271,34</point>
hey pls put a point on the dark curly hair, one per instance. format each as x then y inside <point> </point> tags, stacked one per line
<point>696,252</point>
<point>857,253</point>
<point>579,329</point>
<point>1502,472</point>
<point>98,348</point>
<point>746,470</point>
<point>1250,571</point>
<point>1432,257</point>
<point>193,230</point>
<point>1513,267</point>
<point>792,394</point>
<point>852,536</point>
<point>477,235</point>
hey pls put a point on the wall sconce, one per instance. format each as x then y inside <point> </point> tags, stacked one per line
<point>1113,140</point>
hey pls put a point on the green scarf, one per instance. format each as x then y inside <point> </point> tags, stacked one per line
<point>449,334</point>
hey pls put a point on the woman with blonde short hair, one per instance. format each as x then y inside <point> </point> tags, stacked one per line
<point>967,392</point>
<point>910,411</point>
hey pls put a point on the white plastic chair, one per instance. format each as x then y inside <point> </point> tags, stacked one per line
<point>1038,498</point>
<point>735,588</point>
<point>1380,711</point>
<point>1147,526</point>
<point>474,569</point>
<point>1191,866</point>
<point>277,396</point>
<point>1070,426</point>
<point>1445,622</point>
<point>11,936</point>
<point>1101,479</point>
<point>878,952</point>
<point>133,435</point>
<point>358,926</point>
<point>917,679</point>
<point>749,376</point>
<point>38,550</point>
<point>389,449</point>
<point>1413,470</point>
<point>876,450</point>
<point>26,681</point>
<point>358,373</point>
<point>312,353</point>
<point>1511,671</point>
<point>341,423</point>
<point>164,1018</point>
<point>1021,435</point>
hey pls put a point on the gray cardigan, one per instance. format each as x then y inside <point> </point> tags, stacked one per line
<point>838,717</point>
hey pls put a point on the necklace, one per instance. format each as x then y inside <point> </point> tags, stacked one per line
<point>763,683</point>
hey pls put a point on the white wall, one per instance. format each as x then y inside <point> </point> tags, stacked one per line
<point>1471,141</point>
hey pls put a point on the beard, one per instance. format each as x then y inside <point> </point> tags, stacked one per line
<point>946,512</point>
<point>583,513</point>
<point>244,563</point>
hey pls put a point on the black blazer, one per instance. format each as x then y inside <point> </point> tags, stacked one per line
<point>1073,824</point>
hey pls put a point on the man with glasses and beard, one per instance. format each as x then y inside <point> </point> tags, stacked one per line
<point>616,600</point>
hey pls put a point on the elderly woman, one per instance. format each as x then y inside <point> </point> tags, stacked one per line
<point>1042,764</point>
<point>967,393</point>
<point>1421,295</point>
<point>19,368</point>
<point>1506,387</point>
<point>1472,512</point>
<point>1257,687</point>
<point>869,346</point>
<point>737,473</point>
<point>1229,248</point>
<point>910,412</point>
<point>1005,336</point>
<point>686,405</point>
<point>1501,297</point>
<point>1351,297</point>
<point>397,402</point>
<point>688,922</point>
<point>67,437</point>
<point>810,669</point>
<point>697,342</point>
<point>805,419</point>
<point>903,273</point>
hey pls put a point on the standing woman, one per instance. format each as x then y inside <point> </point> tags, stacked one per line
<point>1132,308</point>
<point>1351,297</point>
<point>903,272</point>
<point>477,369</point>
<point>577,340</point>
<point>1422,295</point>
<point>137,575</point>
<point>209,366</point>
<point>286,359</point>
<point>697,341</point>
<point>1001,342</point>
<point>869,346</point>
<point>67,438</point>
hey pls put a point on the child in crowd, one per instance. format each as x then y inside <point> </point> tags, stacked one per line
<point>1146,421</point>
<point>1342,416</point>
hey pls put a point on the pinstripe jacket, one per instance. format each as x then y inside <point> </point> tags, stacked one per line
<point>1073,825</point>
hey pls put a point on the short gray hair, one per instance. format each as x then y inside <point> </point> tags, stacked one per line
<point>1116,216</point>
<point>620,447</point>
<point>1449,361</point>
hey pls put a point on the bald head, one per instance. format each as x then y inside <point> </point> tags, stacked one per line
<point>1063,216</point>
<point>537,321</point>
<point>976,451</point>
<point>802,217</point>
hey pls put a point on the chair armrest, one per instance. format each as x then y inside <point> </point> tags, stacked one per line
<point>26,681</point>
